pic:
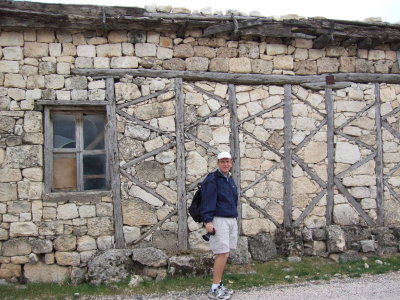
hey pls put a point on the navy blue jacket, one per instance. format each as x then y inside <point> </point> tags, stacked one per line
<point>219,197</point>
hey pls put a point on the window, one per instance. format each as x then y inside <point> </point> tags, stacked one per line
<point>76,155</point>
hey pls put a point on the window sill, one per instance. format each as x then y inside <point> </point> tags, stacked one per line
<point>81,197</point>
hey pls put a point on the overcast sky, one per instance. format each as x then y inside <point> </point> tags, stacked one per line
<point>388,10</point>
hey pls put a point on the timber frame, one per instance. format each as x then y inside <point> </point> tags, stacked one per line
<point>324,32</point>
<point>317,83</point>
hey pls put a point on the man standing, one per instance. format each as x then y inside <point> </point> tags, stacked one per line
<point>219,212</point>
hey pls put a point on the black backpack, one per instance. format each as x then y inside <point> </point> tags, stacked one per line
<point>195,206</point>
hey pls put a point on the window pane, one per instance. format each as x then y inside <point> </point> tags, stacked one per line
<point>94,172</point>
<point>64,131</point>
<point>93,132</point>
<point>64,172</point>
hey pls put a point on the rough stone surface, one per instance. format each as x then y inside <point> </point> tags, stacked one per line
<point>112,265</point>
<point>336,239</point>
<point>262,247</point>
<point>151,257</point>
<point>44,273</point>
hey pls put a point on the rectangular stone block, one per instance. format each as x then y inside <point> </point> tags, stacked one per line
<point>8,66</point>
<point>33,49</point>
<point>8,38</point>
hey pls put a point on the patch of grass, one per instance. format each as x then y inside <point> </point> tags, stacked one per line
<point>237,277</point>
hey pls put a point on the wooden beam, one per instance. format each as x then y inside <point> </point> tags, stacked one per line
<point>240,78</point>
<point>309,171</point>
<point>309,137</point>
<point>357,115</point>
<point>330,155</point>
<point>287,174</point>
<point>145,188</point>
<point>309,208</point>
<point>235,148</point>
<point>262,177</point>
<point>48,155</point>
<point>112,147</point>
<point>356,165</point>
<point>264,213</point>
<point>229,27</point>
<point>183,238</point>
<point>379,159</point>
<point>391,191</point>
<point>322,85</point>
<point>144,98</point>
<point>354,202</point>
<point>71,103</point>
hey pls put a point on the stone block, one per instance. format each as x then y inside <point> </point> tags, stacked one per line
<point>197,64</point>
<point>8,192</point>
<point>315,152</point>
<point>33,121</point>
<point>84,62</point>
<point>14,81</point>
<point>136,36</point>
<point>86,50</point>
<point>86,243</point>
<point>164,53</point>
<point>8,271</point>
<point>109,50</point>
<point>364,66</point>
<point>305,67</point>
<point>345,214</point>
<point>262,247</point>
<point>68,258</point>
<point>131,233</point>
<point>174,64</point>
<point>67,211</point>
<point>240,65</point>
<point>145,49</point>
<point>203,51</point>
<point>347,153</point>
<point>368,246</point>
<point>136,213</point>
<point>336,239</point>
<point>276,49</point>
<point>303,43</point>
<point>117,36</point>
<point>46,273</point>
<point>16,247</point>
<point>125,62</point>
<point>249,50</point>
<point>25,156</point>
<point>55,49</point>
<point>12,53</point>
<point>376,54</point>
<point>18,229</point>
<point>41,246</point>
<point>76,82</point>
<point>166,42</point>
<point>183,51</point>
<point>9,38</point>
<point>105,242</point>
<point>327,65</point>
<point>227,52</point>
<point>33,49</point>
<point>100,226</point>
<point>241,255</point>
<point>260,66</point>
<point>283,62</point>
<point>255,226</point>
<point>219,65</point>
<point>347,64</point>
<point>7,124</point>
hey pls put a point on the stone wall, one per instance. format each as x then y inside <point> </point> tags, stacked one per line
<point>58,234</point>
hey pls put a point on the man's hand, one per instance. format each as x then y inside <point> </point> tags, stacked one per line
<point>210,227</point>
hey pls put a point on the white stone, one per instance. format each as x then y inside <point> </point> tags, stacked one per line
<point>145,49</point>
<point>347,153</point>
<point>164,53</point>
<point>359,180</point>
<point>167,123</point>
<point>345,214</point>
<point>138,192</point>
<point>315,152</point>
<point>87,211</point>
<point>67,211</point>
<point>7,66</point>
<point>23,229</point>
<point>86,50</point>
<point>131,233</point>
<point>253,108</point>
<point>86,243</point>
<point>255,226</point>
<point>196,165</point>
<point>303,123</point>
<point>221,135</point>
<point>274,124</point>
<point>125,62</point>
<point>153,144</point>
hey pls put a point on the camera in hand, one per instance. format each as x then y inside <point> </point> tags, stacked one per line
<point>206,236</point>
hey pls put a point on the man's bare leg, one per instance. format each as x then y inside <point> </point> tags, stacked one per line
<point>219,266</point>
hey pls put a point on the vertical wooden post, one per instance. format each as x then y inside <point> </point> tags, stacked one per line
<point>112,142</point>
<point>379,157</point>
<point>287,197</point>
<point>180,167</point>
<point>48,155</point>
<point>235,147</point>
<point>331,152</point>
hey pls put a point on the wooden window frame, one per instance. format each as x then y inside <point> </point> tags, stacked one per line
<point>49,151</point>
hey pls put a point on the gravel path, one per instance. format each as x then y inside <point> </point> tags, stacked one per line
<point>386,286</point>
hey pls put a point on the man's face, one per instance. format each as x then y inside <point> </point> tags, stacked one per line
<point>225,164</point>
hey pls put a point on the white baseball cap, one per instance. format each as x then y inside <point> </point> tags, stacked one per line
<point>222,155</point>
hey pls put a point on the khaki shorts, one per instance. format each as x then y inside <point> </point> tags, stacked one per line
<point>226,235</point>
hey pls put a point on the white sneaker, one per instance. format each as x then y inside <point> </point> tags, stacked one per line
<point>218,294</point>
<point>226,290</point>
